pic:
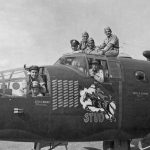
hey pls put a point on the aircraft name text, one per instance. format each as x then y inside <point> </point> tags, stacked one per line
<point>42,103</point>
<point>140,93</point>
<point>94,117</point>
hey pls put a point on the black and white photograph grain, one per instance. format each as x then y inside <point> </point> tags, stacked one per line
<point>74,75</point>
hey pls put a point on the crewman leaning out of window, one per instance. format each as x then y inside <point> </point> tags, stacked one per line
<point>96,71</point>
<point>34,76</point>
<point>36,89</point>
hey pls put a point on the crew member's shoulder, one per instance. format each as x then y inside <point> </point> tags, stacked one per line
<point>114,36</point>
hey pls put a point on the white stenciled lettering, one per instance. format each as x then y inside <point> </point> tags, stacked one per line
<point>86,118</point>
<point>101,117</point>
<point>94,117</point>
<point>91,117</point>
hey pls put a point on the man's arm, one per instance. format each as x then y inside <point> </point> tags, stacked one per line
<point>102,46</point>
<point>108,47</point>
<point>99,76</point>
<point>91,72</point>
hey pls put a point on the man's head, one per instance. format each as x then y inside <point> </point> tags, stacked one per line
<point>94,65</point>
<point>91,43</point>
<point>34,71</point>
<point>108,31</point>
<point>35,88</point>
<point>85,36</point>
<point>74,45</point>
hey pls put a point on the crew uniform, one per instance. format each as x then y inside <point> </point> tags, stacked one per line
<point>84,43</point>
<point>96,72</point>
<point>36,89</point>
<point>92,49</point>
<point>36,77</point>
<point>110,46</point>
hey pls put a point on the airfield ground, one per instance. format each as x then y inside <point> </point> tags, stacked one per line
<point>5,145</point>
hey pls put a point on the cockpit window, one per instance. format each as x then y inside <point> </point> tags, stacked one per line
<point>65,61</point>
<point>98,69</point>
<point>18,74</point>
<point>114,70</point>
<point>13,83</point>
<point>7,75</point>
<point>16,83</point>
<point>78,63</point>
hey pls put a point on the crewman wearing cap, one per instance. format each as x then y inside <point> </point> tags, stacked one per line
<point>36,89</point>
<point>34,76</point>
<point>91,48</point>
<point>96,71</point>
<point>110,46</point>
<point>83,43</point>
<point>74,45</point>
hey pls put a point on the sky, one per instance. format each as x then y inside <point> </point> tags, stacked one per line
<point>38,32</point>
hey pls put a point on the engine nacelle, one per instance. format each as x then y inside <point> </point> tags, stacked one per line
<point>146,54</point>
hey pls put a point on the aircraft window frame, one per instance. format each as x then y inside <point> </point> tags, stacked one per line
<point>13,75</point>
<point>7,75</point>
<point>76,62</point>
<point>114,68</point>
<point>104,67</point>
<point>18,86</point>
<point>140,75</point>
<point>11,86</point>
<point>43,72</point>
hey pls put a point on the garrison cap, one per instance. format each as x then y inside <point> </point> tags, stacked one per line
<point>34,68</point>
<point>35,84</point>
<point>85,34</point>
<point>107,28</point>
<point>74,42</point>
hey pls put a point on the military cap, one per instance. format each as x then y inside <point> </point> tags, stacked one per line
<point>35,84</point>
<point>34,68</point>
<point>90,40</point>
<point>74,42</point>
<point>107,28</point>
<point>85,34</point>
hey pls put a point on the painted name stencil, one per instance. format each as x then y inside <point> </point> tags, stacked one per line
<point>99,105</point>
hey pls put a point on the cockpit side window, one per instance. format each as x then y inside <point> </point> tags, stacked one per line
<point>13,83</point>
<point>78,63</point>
<point>101,69</point>
<point>38,85</point>
<point>65,61</point>
<point>114,69</point>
